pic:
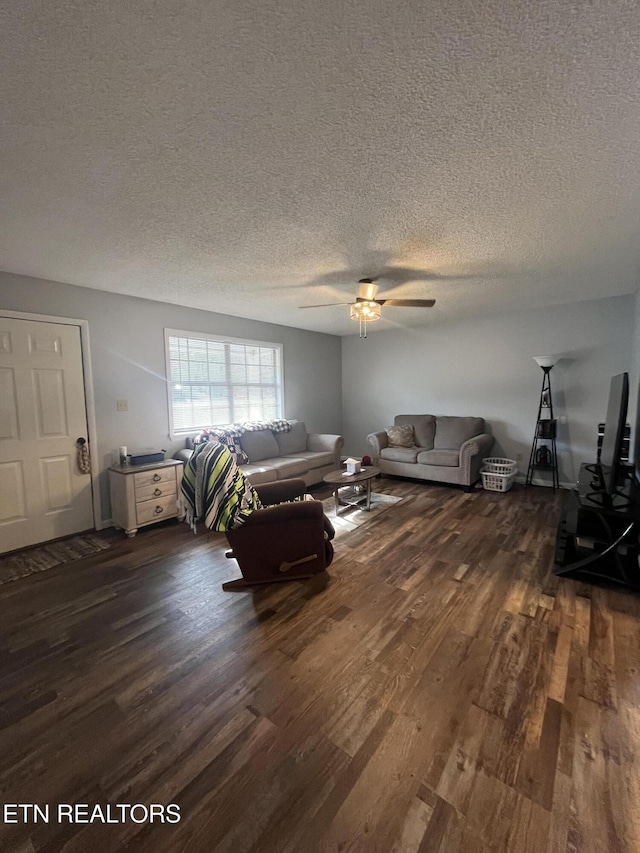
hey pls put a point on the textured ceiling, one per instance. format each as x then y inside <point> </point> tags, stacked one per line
<point>250,158</point>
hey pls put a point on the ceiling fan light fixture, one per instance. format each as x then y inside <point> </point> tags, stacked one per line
<point>365,310</point>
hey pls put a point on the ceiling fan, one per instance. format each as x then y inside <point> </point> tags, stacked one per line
<point>367,308</point>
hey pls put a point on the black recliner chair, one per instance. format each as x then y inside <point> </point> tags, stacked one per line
<point>283,541</point>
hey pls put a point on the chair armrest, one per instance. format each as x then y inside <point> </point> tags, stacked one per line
<point>325,443</point>
<point>282,513</point>
<point>183,455</point>
<point>280,491</point>
<point>377,441</point>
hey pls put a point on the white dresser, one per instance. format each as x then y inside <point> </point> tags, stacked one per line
<point>144,494</point>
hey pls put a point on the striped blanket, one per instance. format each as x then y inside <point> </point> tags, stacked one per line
<point>214,490</point>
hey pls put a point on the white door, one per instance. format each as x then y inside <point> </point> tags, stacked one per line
<point>43,494</point>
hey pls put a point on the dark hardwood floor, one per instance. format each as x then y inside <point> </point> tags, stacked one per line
<point>440,691</point>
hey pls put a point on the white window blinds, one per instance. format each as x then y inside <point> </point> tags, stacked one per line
<point>212,381</point>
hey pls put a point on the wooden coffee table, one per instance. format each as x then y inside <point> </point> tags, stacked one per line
<point>339,480</point>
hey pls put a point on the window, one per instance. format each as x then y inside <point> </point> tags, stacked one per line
<point>214,381</point>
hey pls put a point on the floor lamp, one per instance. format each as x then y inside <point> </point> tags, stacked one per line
<point>545,428</point>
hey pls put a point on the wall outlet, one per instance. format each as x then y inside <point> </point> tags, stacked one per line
<point>122,405</point>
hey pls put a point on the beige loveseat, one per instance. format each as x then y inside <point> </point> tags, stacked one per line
<point>447,449</point>
<point>280,455</point>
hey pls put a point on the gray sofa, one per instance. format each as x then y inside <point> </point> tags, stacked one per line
<point>278,456</point>
<point>447,449</point>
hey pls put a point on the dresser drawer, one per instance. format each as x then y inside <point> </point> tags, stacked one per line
<point>154,510</point>
<point>155,477</point>
<point>155,490</point>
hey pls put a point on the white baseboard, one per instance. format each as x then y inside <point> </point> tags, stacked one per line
<point>536,481</point>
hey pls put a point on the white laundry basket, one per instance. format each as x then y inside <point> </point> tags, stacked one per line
<point>497,482</point>
<point>499,465</point>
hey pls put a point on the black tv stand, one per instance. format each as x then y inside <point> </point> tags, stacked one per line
<point>598,533</point>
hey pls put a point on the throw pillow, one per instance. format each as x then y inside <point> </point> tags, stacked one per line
<point>401,435</point>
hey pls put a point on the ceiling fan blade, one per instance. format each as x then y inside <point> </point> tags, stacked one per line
<point>408,303</point>
<point>366,290</point>
<point>325,305</point>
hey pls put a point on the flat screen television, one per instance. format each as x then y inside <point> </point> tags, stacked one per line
<point>635,459</point>
<point>610,467</point>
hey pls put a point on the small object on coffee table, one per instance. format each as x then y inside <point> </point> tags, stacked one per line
<point>353,466</point>
<point>340,479</point>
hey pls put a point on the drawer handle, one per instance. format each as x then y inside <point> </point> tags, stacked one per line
<point>157,493</point>
<point>159,509</point>
<point>156,478</point>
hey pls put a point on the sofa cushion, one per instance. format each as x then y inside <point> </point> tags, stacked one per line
<point>446,458</point>
<point>288,466</point>
<point>316,459</point>
<point>259,444</point>
<point>400,454</point>
<point>260,473</point>
<point>401,435</point>
<point>454,431</point>
<point>293,441</point>
<point>424,427</point>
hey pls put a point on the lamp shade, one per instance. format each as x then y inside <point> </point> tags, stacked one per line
<point>545,360</point>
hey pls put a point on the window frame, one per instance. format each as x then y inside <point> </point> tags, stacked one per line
<point>220,339</point>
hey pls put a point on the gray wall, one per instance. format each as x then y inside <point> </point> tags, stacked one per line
<point>483,366</point>
<point>478,366</point>
<point>128,361</point>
